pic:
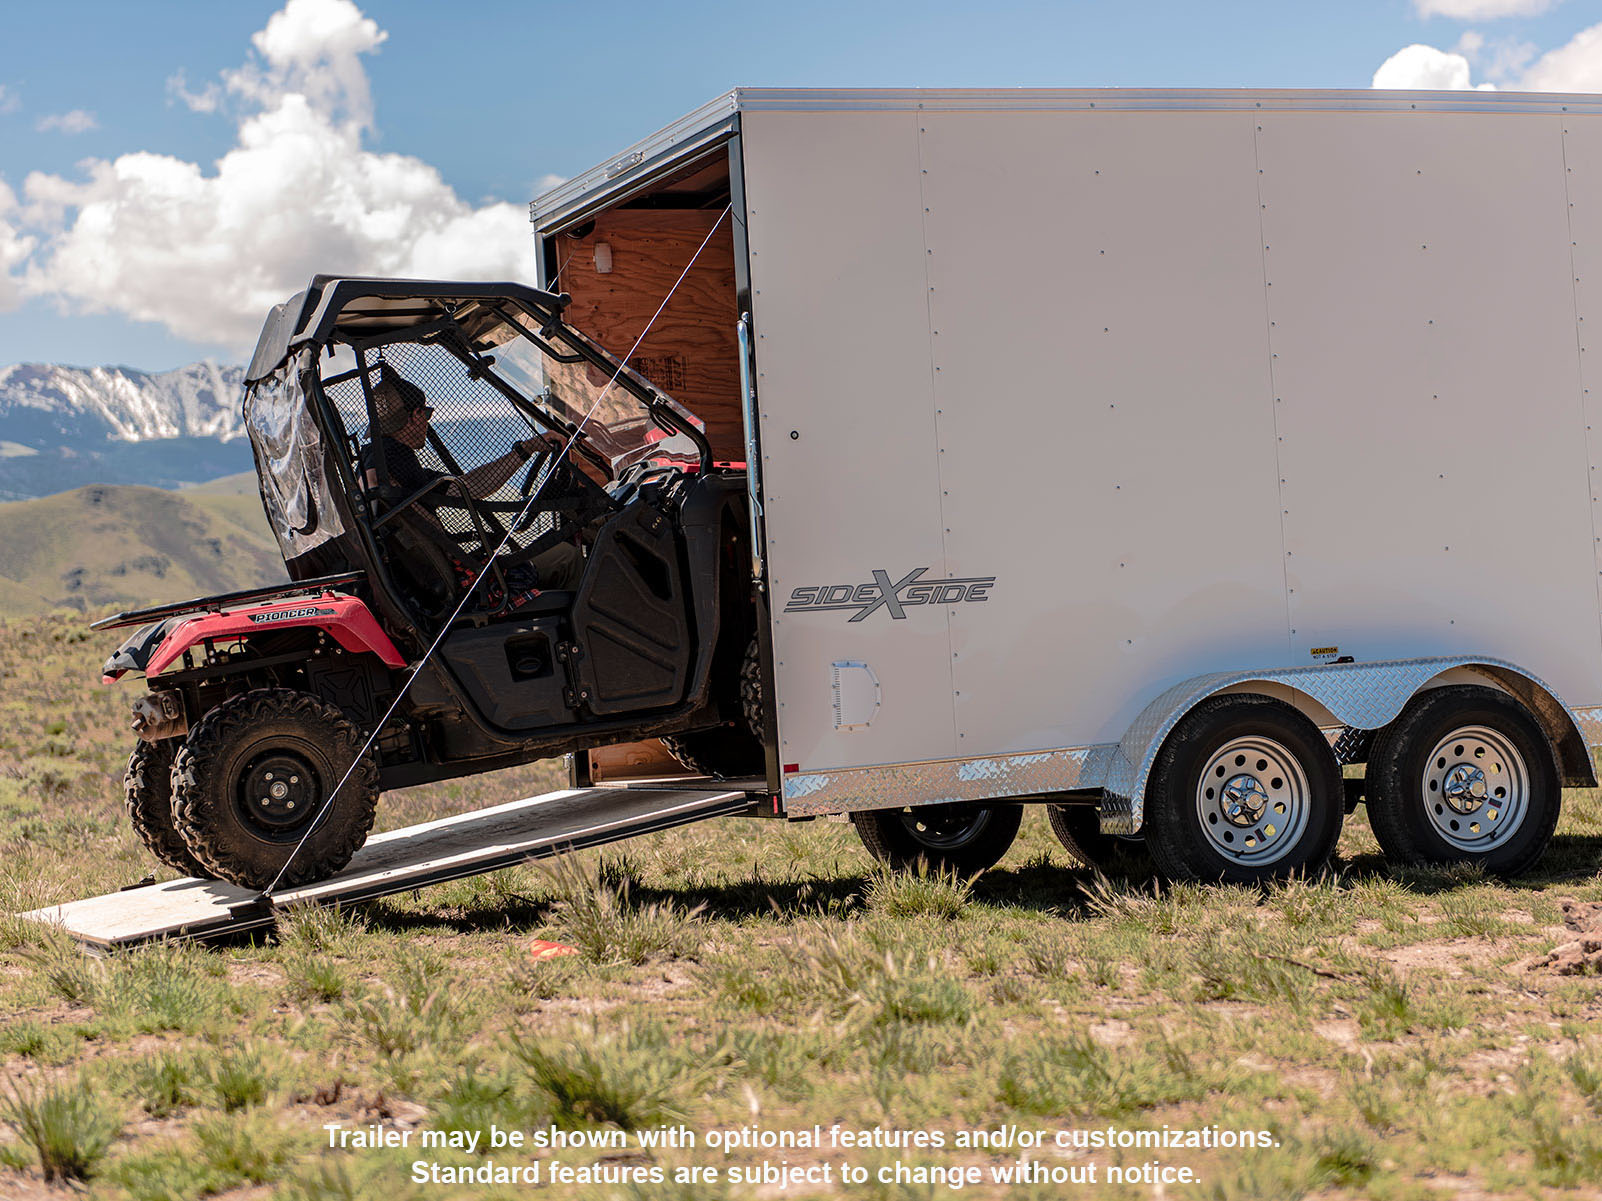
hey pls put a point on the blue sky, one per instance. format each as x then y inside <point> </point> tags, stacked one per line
<point>125,239</point>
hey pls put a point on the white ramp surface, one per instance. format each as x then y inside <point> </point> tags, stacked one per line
<point>468,844</point>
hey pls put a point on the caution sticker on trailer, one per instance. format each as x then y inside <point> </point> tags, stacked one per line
<point>1326,654</point>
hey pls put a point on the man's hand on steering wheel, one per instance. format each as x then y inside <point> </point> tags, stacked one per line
<point>537,451</point>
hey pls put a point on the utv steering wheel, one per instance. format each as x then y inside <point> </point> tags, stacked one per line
<point>537,463</point>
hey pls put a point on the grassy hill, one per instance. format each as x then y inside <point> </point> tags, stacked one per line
<point>111,546</point>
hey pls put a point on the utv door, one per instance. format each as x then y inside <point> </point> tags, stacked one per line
<point>631,616</point>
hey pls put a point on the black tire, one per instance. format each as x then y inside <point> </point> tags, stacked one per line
<point>1234,826</point>
<point>735,749</point>
<point>1078,828</point>
<point>964,838</point>
<point>1415,823</point>
<point>147,793</point>
<point>239,815</point>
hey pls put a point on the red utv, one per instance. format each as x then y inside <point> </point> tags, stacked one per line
<point>400,429</point>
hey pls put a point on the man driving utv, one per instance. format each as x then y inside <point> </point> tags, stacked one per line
<point>403,414</point>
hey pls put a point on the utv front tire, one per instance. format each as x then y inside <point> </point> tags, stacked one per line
<point>252,778</point>
<point>147,792</point>
<point>963,838</point>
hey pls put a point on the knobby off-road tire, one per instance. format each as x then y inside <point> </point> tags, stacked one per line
<point>147,792</point>
<point>1464,775</point>
<point>1245,789</point>
<point>963,838</point>
<point>1078,828</point>
<point>251,778</point>
<point>732,750</point>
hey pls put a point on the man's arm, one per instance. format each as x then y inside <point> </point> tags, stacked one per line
<point>484,479</point>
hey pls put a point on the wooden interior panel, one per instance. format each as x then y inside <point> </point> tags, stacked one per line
<point>692,352</point>
<point>633,761</point>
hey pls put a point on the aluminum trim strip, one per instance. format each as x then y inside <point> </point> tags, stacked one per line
<point>1150,99</point>
<point>946,781</point>
<point>1362,696</point>
<point>645,159</point>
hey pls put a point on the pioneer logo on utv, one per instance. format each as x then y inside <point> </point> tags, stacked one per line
<point>908,591</point>
<point>289,615</point>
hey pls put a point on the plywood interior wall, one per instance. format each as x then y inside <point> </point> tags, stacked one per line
<point>692,352</point>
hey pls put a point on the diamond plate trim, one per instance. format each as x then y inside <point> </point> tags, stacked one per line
<point>1589,722</point>
<point>1362,696</point>
<point>946,781</point>
<point>1350,744</point>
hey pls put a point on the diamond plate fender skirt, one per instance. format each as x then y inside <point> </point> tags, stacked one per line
<point>1363,696</point>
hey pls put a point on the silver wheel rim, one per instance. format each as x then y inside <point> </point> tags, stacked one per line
<point>1253,801</point>
<point>1476,789</point>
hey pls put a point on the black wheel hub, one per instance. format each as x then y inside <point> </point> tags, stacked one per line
<point>278,794</point>
<point>945,827</point>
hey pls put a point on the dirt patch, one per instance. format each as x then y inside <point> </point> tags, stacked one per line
<point>1449,956</point>
<point>255,973</point>
<point>1580,956</point>
<point>1347,1035</point>
<point>1113,1033</point>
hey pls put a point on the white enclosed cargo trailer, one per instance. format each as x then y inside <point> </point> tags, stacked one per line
<point>1142,451</point>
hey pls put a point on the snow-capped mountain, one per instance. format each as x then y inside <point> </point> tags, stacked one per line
<point>43,404</point>
<point>61,427</point>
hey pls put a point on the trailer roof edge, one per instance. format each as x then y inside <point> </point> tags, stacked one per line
<point>642,163</point>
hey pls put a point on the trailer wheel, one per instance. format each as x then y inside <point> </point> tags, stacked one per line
<point>252,777</point>
<point>963,838</point>
<point>735,749</point>
<point>1244,789</point>
<point>147,792</point>
<point>1464,775</point>
<point>1078,828</point>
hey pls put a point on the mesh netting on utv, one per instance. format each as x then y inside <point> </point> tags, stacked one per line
<point>472,423</point>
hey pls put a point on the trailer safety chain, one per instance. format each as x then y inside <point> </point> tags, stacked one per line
<point>416,669</point>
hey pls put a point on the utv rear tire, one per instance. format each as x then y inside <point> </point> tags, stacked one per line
<point>1078,828</point>
<point>733,750</point>
<point>251,780</point>
<point>147,792</point>
<point>963,838</point>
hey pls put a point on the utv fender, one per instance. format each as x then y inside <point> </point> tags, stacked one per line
<point>345,619</point>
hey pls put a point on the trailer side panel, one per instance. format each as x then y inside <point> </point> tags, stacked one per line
<point>850,472</point>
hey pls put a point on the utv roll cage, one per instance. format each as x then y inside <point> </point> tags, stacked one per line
<point>467,320</point>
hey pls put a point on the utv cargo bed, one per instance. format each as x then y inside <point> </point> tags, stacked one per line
<point>469,844</point>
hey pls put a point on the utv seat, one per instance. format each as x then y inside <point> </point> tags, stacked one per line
<point>543,603</point>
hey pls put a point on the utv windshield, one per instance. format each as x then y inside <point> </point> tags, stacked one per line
<point>616,425</point>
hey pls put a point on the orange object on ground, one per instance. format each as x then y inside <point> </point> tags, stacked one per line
<point>540,949</point>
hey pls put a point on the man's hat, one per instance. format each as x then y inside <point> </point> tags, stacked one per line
<point>395,400</point>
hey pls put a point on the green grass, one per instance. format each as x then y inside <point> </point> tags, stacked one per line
<point>1379,1022</point>
<point>66,1125</point>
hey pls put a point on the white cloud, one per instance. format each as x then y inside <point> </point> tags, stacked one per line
<point>207,100</point>
<point>207,253</point>
<point>1575,66</point>
<point>14,249</point>
<point>546,182</point>
<point>1480,10</point>
<point>1419,67</point>
<point>76,121</point>
<point>10,102</point>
